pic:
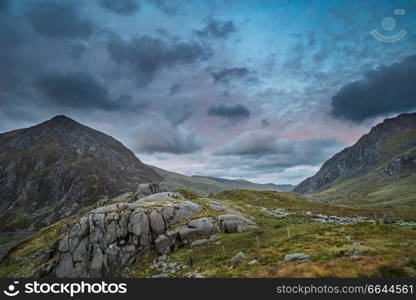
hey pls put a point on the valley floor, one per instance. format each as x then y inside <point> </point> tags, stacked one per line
<point>337,240</point>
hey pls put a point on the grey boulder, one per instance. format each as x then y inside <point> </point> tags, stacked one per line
<point>237,258</point>
<point>163,196</point>
<point>235,223</point>
<point>297,257</point>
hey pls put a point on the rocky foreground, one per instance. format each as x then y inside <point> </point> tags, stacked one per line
<point>158,232</point>
<point>109,239</point>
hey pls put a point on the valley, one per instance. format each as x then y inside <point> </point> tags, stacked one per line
<point>355,218</point>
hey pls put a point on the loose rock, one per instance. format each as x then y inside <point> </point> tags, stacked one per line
<point>237,258</point>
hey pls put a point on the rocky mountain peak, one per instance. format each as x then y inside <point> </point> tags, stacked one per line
<point>384,141</point>
<point>53,169</point>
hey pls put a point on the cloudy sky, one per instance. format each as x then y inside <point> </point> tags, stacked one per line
<point>265,90</point>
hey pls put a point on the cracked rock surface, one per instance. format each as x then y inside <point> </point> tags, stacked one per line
<point>110,239</point>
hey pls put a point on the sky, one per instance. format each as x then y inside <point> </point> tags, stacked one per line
<point>265,90</point>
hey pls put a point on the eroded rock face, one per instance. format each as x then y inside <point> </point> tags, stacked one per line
<point>160,197</point>
<point>363,156</point>
<point>110,239</point>
<point>236,223</point>
<point>394,168</point>
<point>147,189</point>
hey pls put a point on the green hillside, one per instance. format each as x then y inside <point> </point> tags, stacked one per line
<point>287,223</point>
<point>391,183</point>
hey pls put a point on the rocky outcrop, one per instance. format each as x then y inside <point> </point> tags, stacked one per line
<point>364,155</point>
<point>111,238</point>
<point>400,163</point>
<point>147,189</point>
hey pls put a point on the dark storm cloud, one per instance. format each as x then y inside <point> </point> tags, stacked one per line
<point>226,75</point>
<point>4,5</point>
<point>178,114</point>
<point>262,149</point>
<point>165,138</point>
<point>216,29</point>
<point>265,122</point>
<point>79,91</point>
<point>175,88</point>
<point>168,7</point>
<point>57,19</point>
<point>147,55</point>
<point>231,113</point>
<point>385,90</point>
<point>124,7</point>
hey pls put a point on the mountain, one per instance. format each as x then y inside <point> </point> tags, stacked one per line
<point>230,184</point>
<point>205,185</point>
<point>379,169</point>
<point>55,169</point>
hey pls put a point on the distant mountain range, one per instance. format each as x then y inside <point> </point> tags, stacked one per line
<point>206,185</point>
<point>380,169</point>
<point>60,167</point>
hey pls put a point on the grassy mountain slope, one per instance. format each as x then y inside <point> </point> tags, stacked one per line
<point>378,187</point>
<point>205,185</point>
<point>379,170</point>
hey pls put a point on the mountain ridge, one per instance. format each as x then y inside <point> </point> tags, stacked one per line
<point>380,158</point>
<point>206,185</point>
<point>54,169</point>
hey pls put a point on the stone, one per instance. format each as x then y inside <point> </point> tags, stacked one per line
<point>111,233</point>
<point>201,242</point>
<point>139,223</point>
<point>237,258</point>
<point>65,268</point>
<point>296,257</point>
<point>163,196</point>
<point>126,272</point>
<point>185,210</point>
<point>157,223</point>
<point>253,262</point>
<point>359,252</point>
<point>204,226</point>
<point>165,187</point>
<point>167,212</point>
<point>163,244</point>
<point>64,244</point>
<point>146,240</point>
<point>97,264</point>
<point>146,189</point>
<point>143,190</point>
<point>187,234</point>
<point>235,223</point>
<point>217,207</point>
<point>163,275</point>
<point>81,252</point>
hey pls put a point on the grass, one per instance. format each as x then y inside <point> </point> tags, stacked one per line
<point>379,191</point>
<point>389,249</point>
<point>375,190</point>
<point>25,258</point>
<point>4,239</point>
